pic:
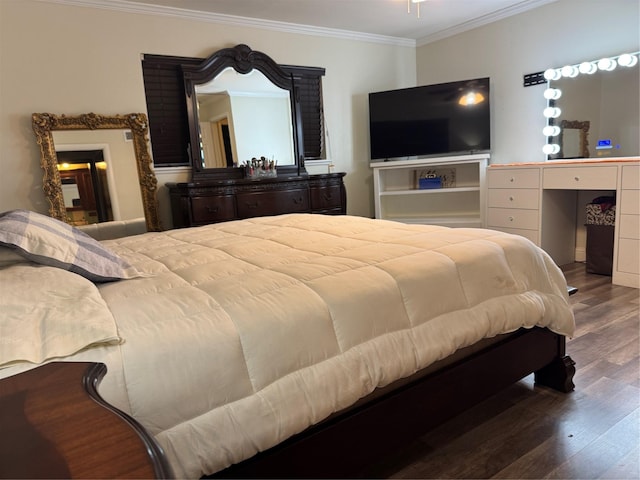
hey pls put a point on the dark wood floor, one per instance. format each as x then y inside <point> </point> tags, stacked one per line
<point>534,432</point>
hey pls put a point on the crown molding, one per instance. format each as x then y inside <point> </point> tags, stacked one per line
<point>516,9</point>
<point>141,8</point>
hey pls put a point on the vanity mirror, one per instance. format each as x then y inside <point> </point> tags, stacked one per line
<point>241,105</point>
<point>592,109</point>
<point>122,184</point>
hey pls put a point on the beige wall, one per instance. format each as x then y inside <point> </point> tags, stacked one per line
<point>66,59</point>
<point>560,33</point>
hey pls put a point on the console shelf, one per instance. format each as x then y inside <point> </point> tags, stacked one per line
<point>458,203</point>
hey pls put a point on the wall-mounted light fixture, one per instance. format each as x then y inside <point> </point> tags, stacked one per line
<point>552,112</point>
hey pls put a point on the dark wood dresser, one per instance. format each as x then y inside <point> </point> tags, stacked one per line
<point>212,201</point>
<point>54,424</point>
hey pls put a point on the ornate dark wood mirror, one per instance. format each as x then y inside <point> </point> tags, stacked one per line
<point>85,141</point>
<point>241,105</point>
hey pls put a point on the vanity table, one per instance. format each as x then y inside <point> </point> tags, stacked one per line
<point>539,201</point>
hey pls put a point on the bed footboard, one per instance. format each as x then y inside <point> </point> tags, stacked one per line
<point>345,445</point>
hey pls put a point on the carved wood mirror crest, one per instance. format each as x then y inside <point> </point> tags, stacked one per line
<point>245,62</point>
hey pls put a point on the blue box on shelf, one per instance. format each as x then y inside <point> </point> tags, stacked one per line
<point>429,183</point>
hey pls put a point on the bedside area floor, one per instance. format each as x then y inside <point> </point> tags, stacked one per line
<point>534,432</point>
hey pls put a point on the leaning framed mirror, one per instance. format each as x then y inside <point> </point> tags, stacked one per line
<point>242,105</point>
<point>97,168</point>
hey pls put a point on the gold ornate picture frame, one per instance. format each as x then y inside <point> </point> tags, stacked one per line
<point>44,124</point>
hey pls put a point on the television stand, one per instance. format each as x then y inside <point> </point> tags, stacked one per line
<point>457,199</point>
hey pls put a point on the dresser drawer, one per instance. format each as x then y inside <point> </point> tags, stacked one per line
<point>631,177</point>
<point>580,178</point>
<point>256,204</point>
<point>512,218</point>
<point>514,197</point>
<point>498,177</point>
<point>213,209</point>
<point>324,198</point>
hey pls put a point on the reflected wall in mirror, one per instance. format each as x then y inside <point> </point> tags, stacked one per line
<point>242,116</point>
<point>603,93</point>
<point>108,173</point>
<point>241,105</point>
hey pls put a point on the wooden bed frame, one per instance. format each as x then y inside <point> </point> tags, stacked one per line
<point>346,444</point>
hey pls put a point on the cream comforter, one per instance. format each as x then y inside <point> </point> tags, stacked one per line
<point>250,331</point>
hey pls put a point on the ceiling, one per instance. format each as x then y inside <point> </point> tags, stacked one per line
<point>375,18</point>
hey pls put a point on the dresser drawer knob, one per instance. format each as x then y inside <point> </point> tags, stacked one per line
<point>511,198</point>
<point>512,179</point>
<point>576,178</point>
<point>212,209</point>
<point>511,219</point>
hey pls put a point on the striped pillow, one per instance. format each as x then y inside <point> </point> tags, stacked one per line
<point>50,242</point>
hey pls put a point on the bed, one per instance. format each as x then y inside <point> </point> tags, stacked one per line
<point>263,347</point>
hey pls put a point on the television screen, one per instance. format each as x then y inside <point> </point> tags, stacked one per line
<point>447,118</point>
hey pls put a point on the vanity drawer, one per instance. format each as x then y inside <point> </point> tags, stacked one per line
<point>256,204</point>
<point>629,226</point>
<point>513,178</point>
<point>580,178</point>
<point>325,198</point>
<point>514,197</point>
<point>629,256</point>
<point>529,234</point>
<point>629,202</point>
<point>512,218</point>
<point>631,177</point>
<point>213,209</point>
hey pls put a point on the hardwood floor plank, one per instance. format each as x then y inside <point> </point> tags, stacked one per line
<point>592,461</point>
<point>628,467</point>
<point>534,432</point>
<point>550,454</point>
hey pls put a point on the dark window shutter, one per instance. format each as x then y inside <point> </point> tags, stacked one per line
<point>309,83</point>
<point>166,109</point>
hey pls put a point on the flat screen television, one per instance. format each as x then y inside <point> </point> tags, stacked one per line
<point>443,119</point>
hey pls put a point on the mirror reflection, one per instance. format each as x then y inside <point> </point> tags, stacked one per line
<point>102,166</point>
<point>574,139</point>
<point>244,116</point>
<point>97,168</point>
<point>608,102</point>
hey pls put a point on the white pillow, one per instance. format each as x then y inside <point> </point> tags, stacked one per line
<point>51,242</point>
<point>48,313</point>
